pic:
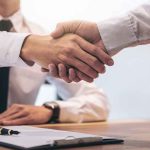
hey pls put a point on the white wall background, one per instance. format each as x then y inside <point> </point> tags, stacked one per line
<point>127,84</point>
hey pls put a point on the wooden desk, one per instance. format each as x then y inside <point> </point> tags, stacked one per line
<point>136,134</point>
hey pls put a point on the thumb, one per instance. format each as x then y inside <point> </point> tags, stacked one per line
<point>58,32</point>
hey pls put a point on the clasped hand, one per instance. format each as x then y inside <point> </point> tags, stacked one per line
<point>73,52</point>
<point>90,56</point>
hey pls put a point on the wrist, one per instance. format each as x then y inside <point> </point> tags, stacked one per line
<point>26,50</point>
<point>48,113</point>
<point>54,107</point>
<point>37,49</point>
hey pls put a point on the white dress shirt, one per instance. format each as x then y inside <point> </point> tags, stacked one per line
<point>83,102</point>
<point>10,46</point>
<point>125,31</point>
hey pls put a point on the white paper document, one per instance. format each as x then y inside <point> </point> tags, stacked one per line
<point>31,137</point>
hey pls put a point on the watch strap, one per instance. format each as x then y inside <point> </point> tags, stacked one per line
<point>56,111</point>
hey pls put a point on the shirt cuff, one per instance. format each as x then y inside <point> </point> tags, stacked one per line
<point>117,33</point>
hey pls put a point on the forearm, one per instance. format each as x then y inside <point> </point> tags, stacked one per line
<point>82,102</point>
<point>21,48</point>
<point>130,30</point>
<point>35,49</point>
<point>85,108</point>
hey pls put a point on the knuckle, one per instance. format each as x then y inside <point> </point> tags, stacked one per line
<point>95,62</point>
<point>30,119</point>
<point>63,58</point>
<point>68,50</point>
<point>95,51</point>
<point>14,105</point>
<point>20,107</point>
<point>73,46</point>
<point>90,72</point>
<point>74,38</point>
<point>17,106</point>
<point>25,112</point>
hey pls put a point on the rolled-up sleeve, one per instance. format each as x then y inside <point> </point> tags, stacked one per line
<point>83,102</point>
<point>129,30</point>
<point>10,47</point>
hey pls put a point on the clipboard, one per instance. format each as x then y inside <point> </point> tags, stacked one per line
<point>32,138</point>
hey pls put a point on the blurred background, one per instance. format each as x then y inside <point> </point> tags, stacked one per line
<point>127,83</point>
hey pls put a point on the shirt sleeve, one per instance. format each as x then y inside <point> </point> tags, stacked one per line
<point>10,47</point>
<point>83,102</point>
<point>129,30</point>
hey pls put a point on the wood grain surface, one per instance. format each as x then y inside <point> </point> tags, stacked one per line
<point>135,133</point>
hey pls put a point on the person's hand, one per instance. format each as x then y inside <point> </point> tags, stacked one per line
<point>70,50</point>
<point>88,31</point>
<point>25,115</point>
<point>85,29</point>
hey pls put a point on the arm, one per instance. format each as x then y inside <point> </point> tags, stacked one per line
<point>83,102</point>
<point>88,31</point>
<point>21,114</point>
<point>70,50</point>
<point>10,46</point>
<point>130,30</point>
<point>114,34</point>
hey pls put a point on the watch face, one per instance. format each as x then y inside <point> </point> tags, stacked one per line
<point>50,105</point>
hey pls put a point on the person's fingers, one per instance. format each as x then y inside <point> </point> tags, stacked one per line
<point>53,70</point>
<point>90,60</point>
<point>81,66</point>
<point>95,51</point>
<point>84,77</point>
<point>18,121</point>
<point>8,113</point>
<point>59,31</point>
<point>16,115</point>
<point>105,58</point>
<point>101,45</point>
<point>86,69</point>
<point>77,79</point>
<point>63,72</point>
<point>72,74</point>
<point>44,70</point>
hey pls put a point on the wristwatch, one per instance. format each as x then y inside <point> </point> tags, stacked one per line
<point>56,111</point>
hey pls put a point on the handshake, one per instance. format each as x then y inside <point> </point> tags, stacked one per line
<point>73,52</point>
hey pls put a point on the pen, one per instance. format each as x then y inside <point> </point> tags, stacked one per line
<point>4,131</point>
